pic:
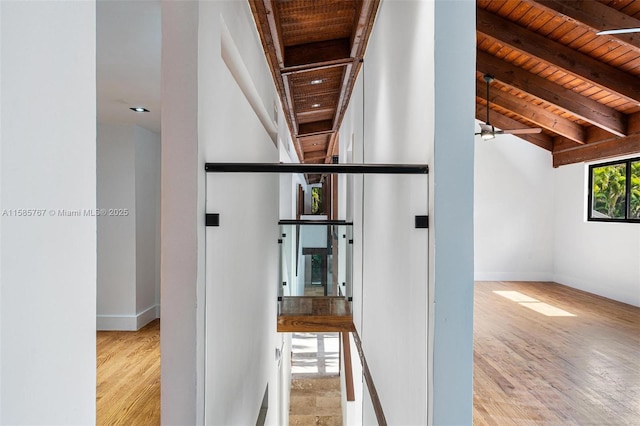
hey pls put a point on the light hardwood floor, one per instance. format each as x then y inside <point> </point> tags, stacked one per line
<point>128,377</point>
<point>531,368</point>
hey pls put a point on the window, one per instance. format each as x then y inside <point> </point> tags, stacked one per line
<point>614,191</point>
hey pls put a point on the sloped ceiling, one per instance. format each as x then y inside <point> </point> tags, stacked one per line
<point>553,71</point>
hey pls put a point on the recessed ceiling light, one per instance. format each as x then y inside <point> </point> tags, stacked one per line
<point>317,81</point>
<point>315,105</point>
<point>139,109</point>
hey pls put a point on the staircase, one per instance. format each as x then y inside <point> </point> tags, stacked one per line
<point>315,381</point>
<point>315,401</point>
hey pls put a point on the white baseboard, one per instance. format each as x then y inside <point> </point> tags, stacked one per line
<point>610,292</point>
<point>146,316</point>
<point>116,323</point>
<point>513,276</point>
<point>127,322</point>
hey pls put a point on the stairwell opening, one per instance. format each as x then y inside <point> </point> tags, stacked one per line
<point>315,379</point>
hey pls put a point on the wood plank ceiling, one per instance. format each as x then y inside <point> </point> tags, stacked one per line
<point>314,49</point>
<point>551,71</point>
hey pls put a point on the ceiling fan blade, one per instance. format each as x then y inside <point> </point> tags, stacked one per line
<point>520,131</point>
<point>619,31</point>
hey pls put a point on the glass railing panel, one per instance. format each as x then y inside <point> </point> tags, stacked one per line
<point>315,259</point>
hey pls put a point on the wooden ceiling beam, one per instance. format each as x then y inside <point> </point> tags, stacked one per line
<point>290,107</point>
<point>317,66</point>
<point>276,23</point>
<point>558,55</point>
<point>276,32</point>
<point>561,143</point>
<point>597,151</point>
<point>316,111</point>
<point>533,113</point>
<point>594,15</point>
<point>320,51</point>
<point>364,23</point>
<point>359,30</point>
<point>634,123</point>
<point>582,107</point>
<point>333,148</point>
<point>503,122</point>
<point>315,127</point>
<point>282,85</point>
<point>600,144</point>
<point>316,158</point>
<point>347,76</point>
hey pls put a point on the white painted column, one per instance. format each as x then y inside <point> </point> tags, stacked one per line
<point>48,260</point>
<point>451,215</point>
<point>180,213</point>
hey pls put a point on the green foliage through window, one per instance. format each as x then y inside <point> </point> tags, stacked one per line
<point>316,200</point>
<point>614,191</point>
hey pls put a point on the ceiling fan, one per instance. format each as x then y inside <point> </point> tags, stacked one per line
<point>619,31</point>
<point>487,131</point>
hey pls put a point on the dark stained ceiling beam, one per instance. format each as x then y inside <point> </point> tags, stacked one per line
<point>274,25</point>
<point>333,147</point>
<point>558,55</point>
<point>596,135</point>
<point>318,52</point>
<point>302,115</point>
<point>599,150</point>
<point>282,85</point>
<point>309,38</point>
<point>582,107</point>
<point>503,122</point>
<point>315,127</point>
<point>560,144</point>
<point>363,9</point>
<point>289,107</point>
<point>317,66</point>
<point>594,15</point>
<point>600,144</point>
<point>316,158</point>
<point>534,113</point>
<point>359,40</point>
<point>348,76</point>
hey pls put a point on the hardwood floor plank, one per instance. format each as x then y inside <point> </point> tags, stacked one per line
<point>581,368</point>
<point>128,376</point>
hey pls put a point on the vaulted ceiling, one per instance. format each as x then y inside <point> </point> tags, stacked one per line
<point>551,70</point>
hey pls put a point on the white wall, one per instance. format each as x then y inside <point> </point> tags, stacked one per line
<point>116,301</point>
<point>601,258</point>
<point>242,253</point>
<point>48,263</point>
<point>128,164</point>
<point>513,211</point>
<point>390,295</point>
<point>147,202</point>
<point>530,225</point>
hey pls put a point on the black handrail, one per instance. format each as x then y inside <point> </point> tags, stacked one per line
<point>314,222</point>
<point>344,168</point>
<point>375,400</point>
